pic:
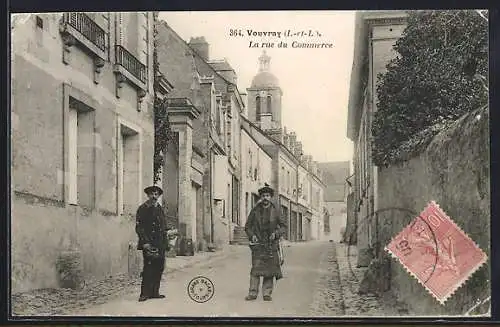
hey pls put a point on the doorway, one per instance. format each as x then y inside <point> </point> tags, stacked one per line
<point>194,211</point>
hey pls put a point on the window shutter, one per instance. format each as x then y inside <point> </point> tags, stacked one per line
<point>72,169</point>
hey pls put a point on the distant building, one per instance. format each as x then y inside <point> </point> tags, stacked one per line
<point>256,170</point>
<point>375,34</point>
<point>82,141</point>
<point>334,177</point>
<point>296,178</point>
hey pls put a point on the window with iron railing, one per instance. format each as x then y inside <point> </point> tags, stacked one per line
<point>128,61</point>
<point>87,27</point>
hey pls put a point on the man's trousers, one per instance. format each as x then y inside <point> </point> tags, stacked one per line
<point>151,274</point>
<point>267,285</point>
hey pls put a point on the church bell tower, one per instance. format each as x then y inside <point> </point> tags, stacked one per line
<point>264,97</point>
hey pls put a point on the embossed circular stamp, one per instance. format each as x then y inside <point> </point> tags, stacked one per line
<point>200,289</point>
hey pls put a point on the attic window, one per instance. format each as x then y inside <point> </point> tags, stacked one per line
<point>39,22</point>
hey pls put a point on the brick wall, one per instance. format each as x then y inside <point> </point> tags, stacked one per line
<point>454,172</point>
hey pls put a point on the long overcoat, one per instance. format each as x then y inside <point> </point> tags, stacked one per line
<point>151,226</point>
<point>265,260</point>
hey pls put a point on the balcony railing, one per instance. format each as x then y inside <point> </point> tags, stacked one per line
<point>87,27</point>
<point>130,63</point>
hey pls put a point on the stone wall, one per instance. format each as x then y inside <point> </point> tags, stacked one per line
<point>454,172</point>
<point>41,230</point>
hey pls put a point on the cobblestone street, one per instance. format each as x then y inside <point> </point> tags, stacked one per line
<point>318,281</point>
<point>336,292</point>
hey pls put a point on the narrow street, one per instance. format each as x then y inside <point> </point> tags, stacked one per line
<point>312,286</point>
<point>293,294</point>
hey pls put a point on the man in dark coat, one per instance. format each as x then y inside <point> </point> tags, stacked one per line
<point>264,228</point>
<point>151,229</point>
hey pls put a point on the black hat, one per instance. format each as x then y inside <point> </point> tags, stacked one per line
<point>153,188</point>
<point>266,189</point>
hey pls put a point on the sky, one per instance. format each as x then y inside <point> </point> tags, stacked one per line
<point>315,82</point>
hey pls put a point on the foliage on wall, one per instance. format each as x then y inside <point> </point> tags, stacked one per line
<point>439,74</point>
<point>161,125</point>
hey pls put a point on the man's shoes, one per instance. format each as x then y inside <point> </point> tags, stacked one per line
<point>250,297</point>
<point>158,296</point>
<point>267,298</point>
<point>143,298</point>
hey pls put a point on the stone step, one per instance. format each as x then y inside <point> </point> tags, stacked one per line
<point>240,236</point>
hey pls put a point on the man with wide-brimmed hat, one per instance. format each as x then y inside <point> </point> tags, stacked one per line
<point>151,229</point>
<point>264,228</point>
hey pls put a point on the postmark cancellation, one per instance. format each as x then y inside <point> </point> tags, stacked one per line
<point>434,250</point>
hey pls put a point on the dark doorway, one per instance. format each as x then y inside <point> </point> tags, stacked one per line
<point>293,227</point>
<point>284,216</point>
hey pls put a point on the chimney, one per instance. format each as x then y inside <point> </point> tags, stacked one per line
<point>298,149</point>
<point>303,159</point>
<point>314,167</point>
<point>293,140</point>
<point>286,139</point>
<point>308,161</point>
<point>200,45</point>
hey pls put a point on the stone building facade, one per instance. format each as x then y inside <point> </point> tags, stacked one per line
<point>375,34</point>
<point>256,170</point>
<point>204,161</point>
<point>82,141</point>
<point>316,224</point>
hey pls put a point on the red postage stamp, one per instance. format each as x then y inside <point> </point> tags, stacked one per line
<point>437,252</point>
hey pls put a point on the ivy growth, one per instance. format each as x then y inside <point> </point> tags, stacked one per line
<point>439,74</point>
<point>161,125</point>
<point>162,136</point>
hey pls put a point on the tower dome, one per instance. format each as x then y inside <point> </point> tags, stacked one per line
<point>264,78</point>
